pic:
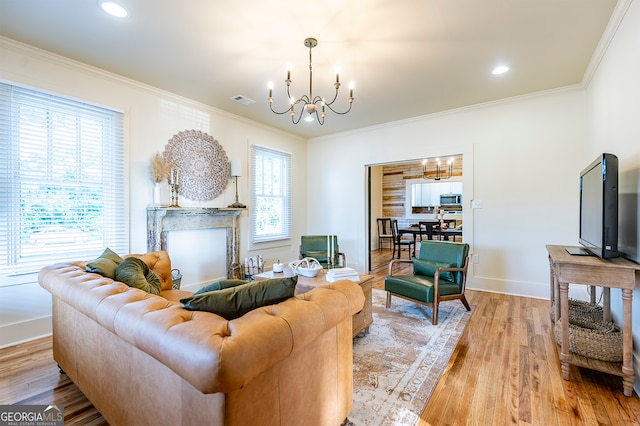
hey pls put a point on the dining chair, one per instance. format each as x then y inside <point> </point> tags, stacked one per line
<point>384,232</point>
<point>400,240</point>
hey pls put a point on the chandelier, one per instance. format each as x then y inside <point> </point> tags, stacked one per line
<point>310,105</point>
<point>441,173</point>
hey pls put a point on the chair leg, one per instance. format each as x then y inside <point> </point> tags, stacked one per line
<point>463,299</point>
<point>388,303</point>
<point>434,317</point>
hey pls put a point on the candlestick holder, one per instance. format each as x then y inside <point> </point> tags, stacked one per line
<point>174,195</point>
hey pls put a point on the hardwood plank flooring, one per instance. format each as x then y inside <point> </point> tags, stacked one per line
<point>505,370</point>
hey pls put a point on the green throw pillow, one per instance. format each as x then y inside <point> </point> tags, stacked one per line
<point>234,302</point>
<point>106,264</point>
<point>220,285</point>
<point>135,273</point>
<point>428,268</point>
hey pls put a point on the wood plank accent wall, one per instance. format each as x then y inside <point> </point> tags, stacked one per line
<point>394,185</point>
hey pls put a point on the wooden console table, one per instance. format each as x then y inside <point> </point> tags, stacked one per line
<point>607,273</point>
<point>361,320</point>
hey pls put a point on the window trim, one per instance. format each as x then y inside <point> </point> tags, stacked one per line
<point>286,235</point>
<point>112,175</point>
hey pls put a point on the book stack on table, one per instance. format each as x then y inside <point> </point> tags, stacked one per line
<point>342,274</point>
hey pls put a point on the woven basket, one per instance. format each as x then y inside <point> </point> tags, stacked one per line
<point>582,310</point>
<point>593,339</point>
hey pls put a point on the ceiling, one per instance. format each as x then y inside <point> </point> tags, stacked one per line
<point>407,58</point>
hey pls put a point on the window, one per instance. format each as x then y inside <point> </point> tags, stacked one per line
<point>271,194</point>
<point>62,194</point>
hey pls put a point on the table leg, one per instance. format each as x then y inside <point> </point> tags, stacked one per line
<point>565,353</point>
<point>551,284</point>
<point>556,298</point>
<point>606,304</point>
<point>628,375</point>
<point>414,244</point>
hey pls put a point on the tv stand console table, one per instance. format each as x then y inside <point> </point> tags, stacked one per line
<point>607,273</point>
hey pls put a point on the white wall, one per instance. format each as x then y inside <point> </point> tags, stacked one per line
<point>519,159</point>
<point>522,158</point>
<point>152,118</point>
<point>613,103</point>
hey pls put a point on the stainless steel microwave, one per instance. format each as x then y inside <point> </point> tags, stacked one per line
<point>450,199</point>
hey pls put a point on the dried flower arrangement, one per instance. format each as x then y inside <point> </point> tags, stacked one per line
<point>159,168</point>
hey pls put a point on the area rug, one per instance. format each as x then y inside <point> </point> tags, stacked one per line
<point>397,365</point>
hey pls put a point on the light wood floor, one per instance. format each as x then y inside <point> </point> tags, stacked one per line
<point>505,370</point>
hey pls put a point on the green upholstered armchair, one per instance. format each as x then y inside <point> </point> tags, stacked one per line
<point>439,273</point>
<point>319,247</point>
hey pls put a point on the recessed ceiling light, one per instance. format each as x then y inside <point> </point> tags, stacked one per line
<point>500,70</point>
<point>113,8</point>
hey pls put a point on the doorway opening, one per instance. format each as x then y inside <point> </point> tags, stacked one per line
<point>411,192</point>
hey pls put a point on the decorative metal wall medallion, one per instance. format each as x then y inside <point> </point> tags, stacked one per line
<point>202,164</point>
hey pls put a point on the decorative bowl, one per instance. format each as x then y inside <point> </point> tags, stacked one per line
<point>307,267</point>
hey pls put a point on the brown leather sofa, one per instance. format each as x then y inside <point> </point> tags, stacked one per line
<point>143,359</point>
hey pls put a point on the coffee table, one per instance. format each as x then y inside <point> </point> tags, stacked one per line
<point>361,320</point>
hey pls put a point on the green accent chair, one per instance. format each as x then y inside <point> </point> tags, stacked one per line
<point>439,273</point>
<point>318,247</point>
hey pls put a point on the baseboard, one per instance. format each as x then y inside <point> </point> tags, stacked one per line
<point>24,331</point>
<point>512,288</point>
<point>194,287</point>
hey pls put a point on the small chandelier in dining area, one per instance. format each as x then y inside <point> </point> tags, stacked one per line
<point>440,172</point>
<point>312,107</point>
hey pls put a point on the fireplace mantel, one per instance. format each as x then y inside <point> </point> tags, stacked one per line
<point>161,220</point>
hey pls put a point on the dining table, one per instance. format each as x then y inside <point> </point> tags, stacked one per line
<point>448,234</point>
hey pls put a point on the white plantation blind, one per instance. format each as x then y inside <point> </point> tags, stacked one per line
<point>62,194</point>
<point>271,194</point>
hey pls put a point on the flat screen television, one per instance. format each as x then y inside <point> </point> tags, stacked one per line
<point>599,206</point>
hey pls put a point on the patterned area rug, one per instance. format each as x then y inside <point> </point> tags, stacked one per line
<point>398,364</point>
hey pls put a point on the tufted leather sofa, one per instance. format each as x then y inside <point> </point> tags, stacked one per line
<point>142,359</point>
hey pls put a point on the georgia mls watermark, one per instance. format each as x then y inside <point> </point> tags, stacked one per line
<point>31,415</point>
